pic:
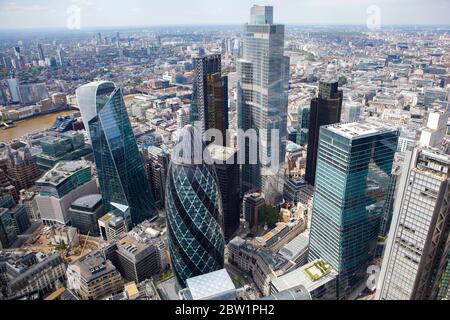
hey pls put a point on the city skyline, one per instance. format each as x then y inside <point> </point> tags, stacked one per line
<point>96,14</point>
<point>333,182</point>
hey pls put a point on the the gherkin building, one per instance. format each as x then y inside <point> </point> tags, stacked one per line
<point>194,209</point>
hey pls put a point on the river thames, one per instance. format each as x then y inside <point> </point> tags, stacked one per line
<point>30,126</point>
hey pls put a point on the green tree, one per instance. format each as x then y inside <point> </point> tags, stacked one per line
<point>269,215</point>
<point>342,81</point>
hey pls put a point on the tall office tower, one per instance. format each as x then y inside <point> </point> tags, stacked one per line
<point>60,56</point>
<point>436,129</point>
<point>353,174</point>
<point>418,243</point>
<point>99,38</point>
<point>303,125</point>
<point>325,109</point>
<point>228,171</point>
<point>118,40</point>
<point>210,94</point>
<point>17,52</point>
<point>262,90</point>
<point>194,209</point>
<point>41,52</point>
<point>156,163</point>
<point>120,169</point>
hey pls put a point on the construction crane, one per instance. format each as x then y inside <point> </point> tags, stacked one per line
<point>85,242</point>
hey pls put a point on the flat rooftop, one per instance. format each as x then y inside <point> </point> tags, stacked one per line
<point>312,276</point>
<point>358,130</point>
<point>62,171</point>
<point>88,202</point>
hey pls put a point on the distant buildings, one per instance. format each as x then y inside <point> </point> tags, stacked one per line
<point>194,210</point>
<point>32,93</point>
<point>93,277</point>
<point>66,146</point>
<point>262,99</point>
<point>354,170</point>
<point>60,187</point>
<point>60,58</point>
<point>120,169</point>
<point>416,255</point>
<point>325,109</point>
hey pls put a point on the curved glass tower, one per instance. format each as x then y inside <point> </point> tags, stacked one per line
<point>194,209</point>
<point>120,170</point>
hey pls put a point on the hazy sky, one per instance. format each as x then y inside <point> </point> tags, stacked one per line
<point>109,13</point>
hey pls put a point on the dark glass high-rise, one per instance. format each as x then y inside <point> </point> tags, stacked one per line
<point>325,109</point>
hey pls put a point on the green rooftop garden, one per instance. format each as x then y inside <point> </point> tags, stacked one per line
<point>318,270</point>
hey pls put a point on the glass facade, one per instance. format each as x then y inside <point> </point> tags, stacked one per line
<point>210,95</point>
<point>347,208</point>
<point>119,165</point>
<point>262,89</point>
<point>325,109</point>
<point>194,216</point>
<point>303,125</point>
<point>8,233</point>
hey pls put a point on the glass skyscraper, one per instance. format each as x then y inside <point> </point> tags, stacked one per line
<point>262,89</point>
<point>325,109</point>
<point>210,94</point>
<point>353,174</point>
<point>120,170</point>
<point>303,125</point>
<point>194,209</point>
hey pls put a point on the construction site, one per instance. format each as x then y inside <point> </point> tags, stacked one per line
<point>66,240</point>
